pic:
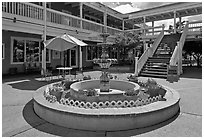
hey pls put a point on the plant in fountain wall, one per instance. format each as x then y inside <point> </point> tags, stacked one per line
<point>133,78</point>
<point>131,92</point>
<point>91,92</point>
<point>88,77</point>
<point>152,88</point>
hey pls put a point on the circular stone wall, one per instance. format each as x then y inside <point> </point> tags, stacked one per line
<point>107,119</point>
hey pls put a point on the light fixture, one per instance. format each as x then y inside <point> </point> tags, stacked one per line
<point>14,19</point>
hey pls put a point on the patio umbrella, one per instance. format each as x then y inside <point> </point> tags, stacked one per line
<point>63,42</point>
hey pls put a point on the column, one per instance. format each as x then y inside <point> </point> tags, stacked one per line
<point>152,28</point>
<point>145,46</point>
<point>174,21</point>
<point>180,71</point>
<point>105,20</point>
<point>62,58</point>
<point>44,38</point>
<point>81,14</point>
<point>144,25</point>
<point>123,25</point>
<point>136,66</point>
<point>80,58</point>
<point>180,20</point>
<point>163,26</point>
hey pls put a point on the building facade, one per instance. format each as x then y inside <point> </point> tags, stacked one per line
<point>23,27</point>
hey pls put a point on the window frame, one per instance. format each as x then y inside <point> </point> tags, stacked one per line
<point>88,53</point>
<point>25,39</point>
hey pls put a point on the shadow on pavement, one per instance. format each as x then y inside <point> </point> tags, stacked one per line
<point>192,72</point>
<point>43,126</point>
<point>135,132</point>
<point>32,84</point>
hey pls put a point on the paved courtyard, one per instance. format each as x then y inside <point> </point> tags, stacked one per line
<point>19,119</point>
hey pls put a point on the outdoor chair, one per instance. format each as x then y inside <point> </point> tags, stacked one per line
<point>46,74</point>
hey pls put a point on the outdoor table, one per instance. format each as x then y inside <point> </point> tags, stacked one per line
<point>63,70</point>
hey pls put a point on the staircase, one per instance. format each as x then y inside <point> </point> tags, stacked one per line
<point>156,66</point>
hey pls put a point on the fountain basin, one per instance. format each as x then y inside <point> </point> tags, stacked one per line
<point>107,119</point>
<point>116,92</point>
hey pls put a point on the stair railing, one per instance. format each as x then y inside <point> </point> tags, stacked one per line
<point>148,52</point>
<point>176,58</point>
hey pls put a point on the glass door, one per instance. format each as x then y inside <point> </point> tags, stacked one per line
<point>73,57</point>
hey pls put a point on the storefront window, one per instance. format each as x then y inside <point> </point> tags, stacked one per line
<point>73,57</point>
<point>18,50</point>
<point>27,50</point>
<point>93,52</point>
<point>114,53</point>
<point>89,53</point>
<point>32,51</point>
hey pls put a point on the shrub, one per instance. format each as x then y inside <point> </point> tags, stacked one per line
<point>131,92</point>
<point>88,77</point>
<point>132,78</point>
<point>153,89</point>
<point>91,92</point>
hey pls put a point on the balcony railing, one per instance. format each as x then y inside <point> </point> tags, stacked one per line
<point>113,31</point>
<point>90,25</point>
<point>34,11</point>
<point>148,30</point>
<point>195,26</point>
<point>63,18</point>
<point>23,9</point>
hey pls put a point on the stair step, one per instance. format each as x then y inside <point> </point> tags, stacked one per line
<point>154,69</point>
<point>154,72</point>
<point>158,64</point>
<point>157,61</point>
<point>153,75</point>
<point>162,55</point>
<point>154,57</point>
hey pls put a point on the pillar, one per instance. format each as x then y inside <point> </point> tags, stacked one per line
<point>144,25</point>
<point>62,58</point>
<point>180,20</point>
<point>44,38</point>
<point>105,20</point>
<point>81,14</point>
<point>80,58</point>
<point>136,66</point>
<point>123,25</point>
<point>180,71</point>
<point>174,21</point>
<point>153,28</point>
<point>163,26</point>
<point>145,45</point>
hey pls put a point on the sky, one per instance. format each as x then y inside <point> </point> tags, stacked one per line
<point>127,7</point>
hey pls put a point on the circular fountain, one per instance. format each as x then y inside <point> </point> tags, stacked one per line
<point>106,104</point>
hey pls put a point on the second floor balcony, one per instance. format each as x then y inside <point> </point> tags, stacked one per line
<point>32,13</point>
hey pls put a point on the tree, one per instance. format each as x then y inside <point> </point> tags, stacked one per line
<point>127,41</point>
<point>194,48</point>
